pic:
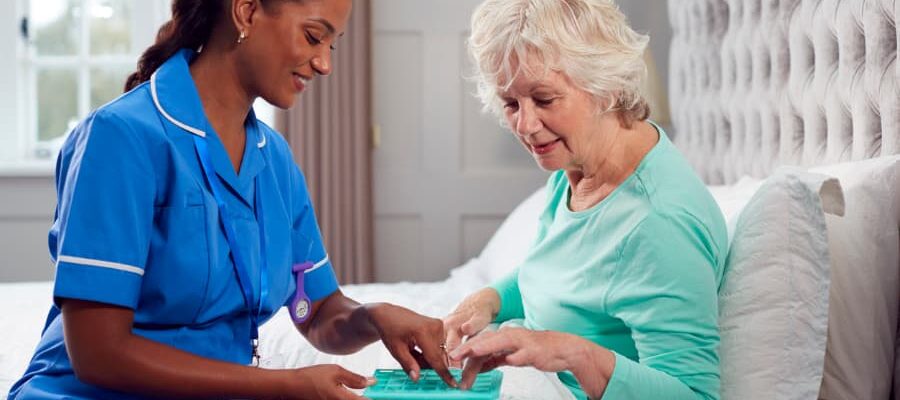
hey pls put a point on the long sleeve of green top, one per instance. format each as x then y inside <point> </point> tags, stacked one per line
<point>637,274</point>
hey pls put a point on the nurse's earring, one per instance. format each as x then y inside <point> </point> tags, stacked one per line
<point>241,37</point>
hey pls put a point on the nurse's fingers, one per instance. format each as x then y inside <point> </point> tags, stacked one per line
<point>354,381</point>
<point>346,394</point>
<point>436,355</point>
<point>420,358</point>
<point>401,353</point>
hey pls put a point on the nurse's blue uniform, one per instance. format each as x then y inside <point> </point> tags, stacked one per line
<point>137,226</point>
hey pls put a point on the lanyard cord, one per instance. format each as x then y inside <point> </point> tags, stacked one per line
<point>237,252</point>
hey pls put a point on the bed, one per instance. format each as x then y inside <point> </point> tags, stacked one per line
<point>754,85</point>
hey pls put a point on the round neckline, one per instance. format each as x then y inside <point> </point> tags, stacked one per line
<point>627,182</point>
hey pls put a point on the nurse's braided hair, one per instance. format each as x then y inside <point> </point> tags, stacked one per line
<point>191,25</point>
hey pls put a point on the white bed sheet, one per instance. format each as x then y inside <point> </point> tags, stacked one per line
<point>23,310</point>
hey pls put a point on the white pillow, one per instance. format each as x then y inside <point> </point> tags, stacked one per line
<point>509,245</point>
<point>731,199</point>
<point>773,302</point>
<point>865,281</point>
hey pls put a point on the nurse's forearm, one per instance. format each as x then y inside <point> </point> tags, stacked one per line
<point>340,325</point>
<point>105,353</point>
<point>152,368</point>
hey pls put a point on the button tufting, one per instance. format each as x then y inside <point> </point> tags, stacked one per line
<point>759,83</point>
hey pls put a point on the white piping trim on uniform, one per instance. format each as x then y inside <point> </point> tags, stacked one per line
<point>262,143</point>
<point>101,264</point>
<point>165,114</point>
<point>318,264</point>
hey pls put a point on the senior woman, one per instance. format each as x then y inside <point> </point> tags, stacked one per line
<point>618,291</point>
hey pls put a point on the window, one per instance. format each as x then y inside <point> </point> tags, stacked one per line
<point>71,56</point>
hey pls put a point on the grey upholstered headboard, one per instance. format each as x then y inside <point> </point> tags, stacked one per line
<point>759,83</point>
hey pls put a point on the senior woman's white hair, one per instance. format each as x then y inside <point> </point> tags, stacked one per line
<point>590,41</point>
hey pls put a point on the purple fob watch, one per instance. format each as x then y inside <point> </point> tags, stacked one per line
<point>301,305</point>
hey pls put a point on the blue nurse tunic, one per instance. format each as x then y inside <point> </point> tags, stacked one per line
<point>136,226</point>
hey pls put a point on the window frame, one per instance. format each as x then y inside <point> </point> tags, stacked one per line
<point>18,80</point>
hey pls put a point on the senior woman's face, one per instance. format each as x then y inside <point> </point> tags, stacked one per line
<point>291,44</point>
<point>555,121</point>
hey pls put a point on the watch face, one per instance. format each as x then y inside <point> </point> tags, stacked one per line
<point>301,310</point>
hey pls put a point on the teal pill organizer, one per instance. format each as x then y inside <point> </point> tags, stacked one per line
<point>393,384</point>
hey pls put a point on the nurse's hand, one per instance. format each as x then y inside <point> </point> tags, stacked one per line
<point>416,341</point>
<point>471,316</point>
<point>325,382</point>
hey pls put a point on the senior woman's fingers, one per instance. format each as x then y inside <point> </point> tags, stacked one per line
<point>454,338</point>
<point>477,365</point>
<point>464,350</point>
<point>475,324</point>
<point>458,326</point>
<point>484,344</point>
<point>470,372</point>
<point>450,347</point>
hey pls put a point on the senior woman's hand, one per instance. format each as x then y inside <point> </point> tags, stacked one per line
<point>548,351</point>
<point>471,316</point>
<point>414,340</point>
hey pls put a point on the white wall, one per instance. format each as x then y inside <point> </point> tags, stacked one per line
<point>651,17</point>
<point>26,212</point>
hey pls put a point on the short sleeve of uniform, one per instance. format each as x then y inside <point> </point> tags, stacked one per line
<point>665,291</point>
<point>105,213</point>
<point>320,281</point>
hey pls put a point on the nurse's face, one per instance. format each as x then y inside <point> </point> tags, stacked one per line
<point>288,44</point>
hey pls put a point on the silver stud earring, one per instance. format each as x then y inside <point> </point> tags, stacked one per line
<point>241,37</point>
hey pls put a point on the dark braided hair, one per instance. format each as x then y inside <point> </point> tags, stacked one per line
<point>191,25</point>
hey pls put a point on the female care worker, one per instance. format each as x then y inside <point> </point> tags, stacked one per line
<point>183,223</point>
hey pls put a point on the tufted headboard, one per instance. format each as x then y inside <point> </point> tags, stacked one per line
<point>759,83</point>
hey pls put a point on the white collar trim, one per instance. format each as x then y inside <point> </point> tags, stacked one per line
<point>171,119</point>
<point>182,125</point>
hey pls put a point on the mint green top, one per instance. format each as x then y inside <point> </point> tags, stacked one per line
<point>638,274</point>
